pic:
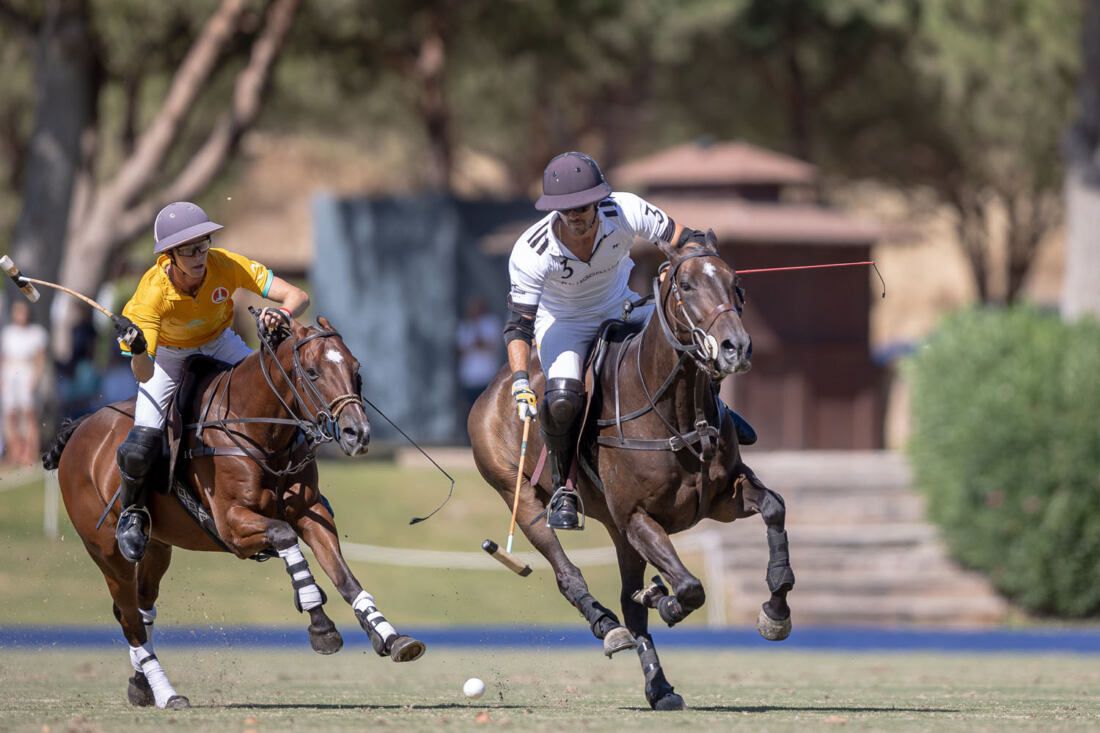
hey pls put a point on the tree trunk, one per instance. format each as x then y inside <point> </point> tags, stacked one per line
<point>1081,289</point>
<point>124,207</point>
<point>66,85</point>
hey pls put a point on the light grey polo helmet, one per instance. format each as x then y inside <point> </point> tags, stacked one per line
<point>179,223</point>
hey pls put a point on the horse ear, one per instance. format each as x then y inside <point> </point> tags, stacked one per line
<point>712,240</point>
<point>324,323</point>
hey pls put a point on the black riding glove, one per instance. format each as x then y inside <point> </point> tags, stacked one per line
<point>128,333</point>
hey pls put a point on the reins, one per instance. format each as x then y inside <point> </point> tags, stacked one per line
<point>316,430</point>
<point>698,350</point>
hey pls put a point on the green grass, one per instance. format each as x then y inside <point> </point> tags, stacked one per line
<point>538,689</point>
<point>55,582</point>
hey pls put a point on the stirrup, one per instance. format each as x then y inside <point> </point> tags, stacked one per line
<point>134,552</point>
<point>557,498</point>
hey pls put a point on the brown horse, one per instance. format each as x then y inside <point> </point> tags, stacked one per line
<point>249,458</point>
<point>658,452</point>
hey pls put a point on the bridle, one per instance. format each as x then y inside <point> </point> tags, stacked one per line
<point>315,418</point>
<point>703,347</point>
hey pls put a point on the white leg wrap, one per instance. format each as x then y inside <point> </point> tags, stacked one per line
<point>145,661</point>
<point>364,604</point>
<point>309,596</point>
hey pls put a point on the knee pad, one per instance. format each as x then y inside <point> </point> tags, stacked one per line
<point>562,405</point>
<point>139,451</point>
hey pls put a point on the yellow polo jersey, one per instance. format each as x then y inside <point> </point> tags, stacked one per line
<point>167,316</point>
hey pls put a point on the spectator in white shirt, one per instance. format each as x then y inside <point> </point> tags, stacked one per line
<point>22,362</point>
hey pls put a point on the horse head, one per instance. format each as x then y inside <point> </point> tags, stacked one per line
<point>326,382</point>
<point>700,300</point>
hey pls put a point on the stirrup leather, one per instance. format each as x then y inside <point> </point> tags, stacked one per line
<point>559,496</point>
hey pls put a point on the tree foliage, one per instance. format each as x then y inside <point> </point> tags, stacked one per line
<point>1006,447</point>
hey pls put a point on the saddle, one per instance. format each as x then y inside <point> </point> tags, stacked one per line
<point>612,336</point>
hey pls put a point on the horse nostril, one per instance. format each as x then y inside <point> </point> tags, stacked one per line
<point>729,349</point>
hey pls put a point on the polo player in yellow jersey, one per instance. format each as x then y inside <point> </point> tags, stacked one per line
<point>183,306</point>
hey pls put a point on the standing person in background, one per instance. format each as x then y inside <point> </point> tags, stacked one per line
<point>478,340</point>
<point>23,348</point>
<point>183,306</point>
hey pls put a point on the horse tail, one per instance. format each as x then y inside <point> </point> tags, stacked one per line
<point>52,457</point>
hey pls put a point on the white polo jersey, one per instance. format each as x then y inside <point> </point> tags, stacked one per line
<point>547,276</point>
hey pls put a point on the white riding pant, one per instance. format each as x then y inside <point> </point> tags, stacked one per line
<point>563,339</point>
<point>153,396</point>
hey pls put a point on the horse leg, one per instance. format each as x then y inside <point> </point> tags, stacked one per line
<point>571,583</point>
<point>318,529</point>
<point>149,685</point>
<point>150,570</point>
<point>652,543</point>
<point>774,621</point>
<point>250,533</point>
<point>658,691</point>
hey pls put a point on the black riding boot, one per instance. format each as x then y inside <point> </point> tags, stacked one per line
<point>558,414</point>
<point>136,457</point>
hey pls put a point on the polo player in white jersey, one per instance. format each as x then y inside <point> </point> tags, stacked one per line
<point>569,274</point>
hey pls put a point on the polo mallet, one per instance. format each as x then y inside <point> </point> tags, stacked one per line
<point>505,556</point>
<point>26,284</point>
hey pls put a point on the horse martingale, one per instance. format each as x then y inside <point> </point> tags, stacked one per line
<point>319,429</point>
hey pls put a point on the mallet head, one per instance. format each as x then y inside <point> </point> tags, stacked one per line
<point>28,289</point>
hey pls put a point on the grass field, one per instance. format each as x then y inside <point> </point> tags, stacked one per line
<point>55,582</point>
<point>543,690</point>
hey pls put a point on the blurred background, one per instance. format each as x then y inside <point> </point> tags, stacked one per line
<point>939,447</point>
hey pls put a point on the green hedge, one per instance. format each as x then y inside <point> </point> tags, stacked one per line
<point>1006,447</point>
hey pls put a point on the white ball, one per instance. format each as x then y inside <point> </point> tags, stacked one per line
<point>474,688</point>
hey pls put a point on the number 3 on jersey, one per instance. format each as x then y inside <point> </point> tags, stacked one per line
<point>567,271</point>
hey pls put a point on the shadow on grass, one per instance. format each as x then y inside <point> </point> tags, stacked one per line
<point>363,706</point>
<point>797,709</point>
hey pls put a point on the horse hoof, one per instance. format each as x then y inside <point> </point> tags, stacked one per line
<point>771,629</point>
<point>325,642</point>
<point>406,649</point>
<point>139,693</point>
<point>177,702</point>
<point>616,640</point>
<point>671,701</point>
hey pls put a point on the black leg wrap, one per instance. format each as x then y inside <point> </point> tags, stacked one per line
<point>658,692</point>
<point>670,610</point>
<point>780,575</point>
<point>600,618</point>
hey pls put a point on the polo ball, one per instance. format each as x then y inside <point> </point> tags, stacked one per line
<point>474,688</point>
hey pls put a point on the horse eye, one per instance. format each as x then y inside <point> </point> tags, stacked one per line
<point>685,285</point>
<point>312,374</point>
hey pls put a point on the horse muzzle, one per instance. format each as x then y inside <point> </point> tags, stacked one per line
<point>353,436</point>
<point>734,356</point>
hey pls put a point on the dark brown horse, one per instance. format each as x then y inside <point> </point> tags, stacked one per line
<point>658,453</point>
<point>248,453</point>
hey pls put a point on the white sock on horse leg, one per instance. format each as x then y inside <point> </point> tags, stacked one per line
<point>364,604</point>
<point>145,661</point>
<point>309,596</point>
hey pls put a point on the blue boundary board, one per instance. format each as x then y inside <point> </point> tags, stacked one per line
<point>819,638</point>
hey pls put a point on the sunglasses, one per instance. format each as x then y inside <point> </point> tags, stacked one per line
<point>190,250</point>
<point>578,209</point>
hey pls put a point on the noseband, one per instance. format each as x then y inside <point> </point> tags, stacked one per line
<point>703,348</point>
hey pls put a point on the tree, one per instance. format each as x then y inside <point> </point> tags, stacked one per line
<point>1081,290</point>
<point>91,215</point>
